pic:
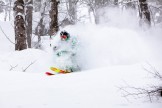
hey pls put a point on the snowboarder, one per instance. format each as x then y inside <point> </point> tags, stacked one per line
<point>65,52</point>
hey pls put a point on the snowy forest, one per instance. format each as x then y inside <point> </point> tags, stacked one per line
<point>54,15</point>
<point>80,53</point>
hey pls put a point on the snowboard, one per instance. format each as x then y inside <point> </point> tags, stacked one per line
<point>57,71</point>
<point>49,73</point>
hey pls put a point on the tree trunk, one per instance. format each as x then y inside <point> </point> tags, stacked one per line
<point>115,2</point>
<point>72,11</point>
<point>54,17</point>
<point>5,18</point>
<point>19,24</point>
<point>41,27</point>
<point>144,12</point>
<point>29,17</point>
<point>10,10</point>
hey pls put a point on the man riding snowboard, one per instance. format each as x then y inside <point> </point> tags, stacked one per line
<point>65,52</point>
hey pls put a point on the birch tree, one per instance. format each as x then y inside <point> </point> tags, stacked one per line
<point>144,12</point>
<point>19,25</point>
<point>29,18</point>
<point>53,13</point>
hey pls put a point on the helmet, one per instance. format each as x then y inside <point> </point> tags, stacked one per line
<point>64,35</point>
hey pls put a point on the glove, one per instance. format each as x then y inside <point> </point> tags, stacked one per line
<point>58,54</point>
<point>55,48</point>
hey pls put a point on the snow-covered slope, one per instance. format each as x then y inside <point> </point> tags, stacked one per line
<point>110,58</point>
<point>86,89</point>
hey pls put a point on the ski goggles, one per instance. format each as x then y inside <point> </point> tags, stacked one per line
<point>63,36</point>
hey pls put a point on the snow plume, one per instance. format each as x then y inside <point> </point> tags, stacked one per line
<point>102,46</point>
<point>117,40</point>
<point>118,17</point>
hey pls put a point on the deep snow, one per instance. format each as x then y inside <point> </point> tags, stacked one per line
<point>110,57</point>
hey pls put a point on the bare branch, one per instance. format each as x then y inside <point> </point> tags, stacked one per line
<point>12,67</point>
<point>152,92</point>
<point>141,92</point>
<point>153,71</point>
<point>24,70</point>
<point>6,35</point>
